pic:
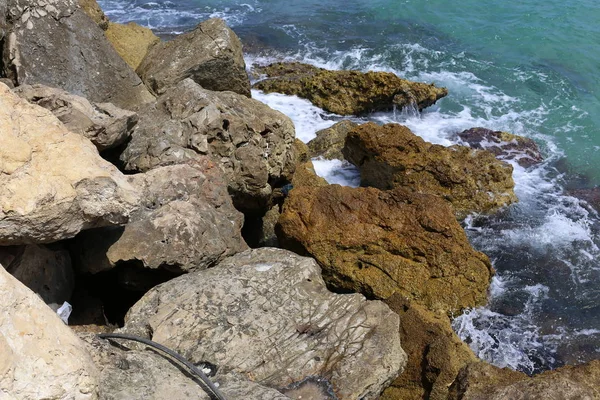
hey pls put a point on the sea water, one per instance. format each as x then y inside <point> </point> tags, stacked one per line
<point>531,68</point>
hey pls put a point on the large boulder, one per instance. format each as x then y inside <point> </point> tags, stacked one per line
<point>211,55</point>
<point>131,41</point>
<point>267,314</point>
<point>128,373</point>
<point>186,222</point>
<point>381,242</point>
<point>330,141</point>
<point>56,44</point>
<point>503,145</point>
<point>347,92</point>
<point>252,143</point>
<point>45,270</point>
<point>41,357</point>
<point>392,156</point>
<point>93,10</point>
<point>106,125</point>
<point>3,4</point>
<point>54,183</point>
<point>481,381</point>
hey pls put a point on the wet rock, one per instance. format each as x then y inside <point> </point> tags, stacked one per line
<point>266,314</point>
<point>435,353</point>
<point>55,43</point>
<point>392,156</point>
<point>128,373</point>
<point>106,125</point>
<point>41,357</point>
<point>504,145</point>
<point>131,41</point>
<point>253,144</point>
<point>329,142</point>
<point>347,92</point>
<point>590,195</point>
<point>54,182</point>
<point>45,270</point>
<point>186,222</point>
<point>380,242</point>
<point>481,381</point>
<point>211,55</point>
<point>93,10</point>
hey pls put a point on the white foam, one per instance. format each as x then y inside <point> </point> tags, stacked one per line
<point>337,172</point>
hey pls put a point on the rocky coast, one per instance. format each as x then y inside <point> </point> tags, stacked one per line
<point>144,185</point>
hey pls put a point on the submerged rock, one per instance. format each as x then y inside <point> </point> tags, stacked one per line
<point>211,55</point>
<point>55,43</point>
<point>381,242</point>
<point>504,145</point>
<point>252,143</point>
<point>41,357</point>
<point>267,314</point>
<point>330,141</point>
<point>131,41</point>
<point>392,156</point>
<point>347,92</point>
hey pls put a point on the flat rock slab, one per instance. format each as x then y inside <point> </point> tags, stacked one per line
<point>267,314</point>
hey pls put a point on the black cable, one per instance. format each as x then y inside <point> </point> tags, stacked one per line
<point>171,353</point>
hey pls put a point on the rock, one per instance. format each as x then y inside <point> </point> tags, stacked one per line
<point>480,381</point>
<point>330,141</point>
<point>3,27</point>
<point>131,41</point>
<point>392,156</point>
<point>211,55</point>
<point>54,182</point>
<point>347,92</point>
<point>54,43</point>
<point>504,145</point>
<point>590,195</point>
<point>145,375</point>
<point>93,10</point>
<point>305,175</point>
<point>267,314</point>
<point>435,353</point>
<point>187,222</point>
<point>45,270</point>
<point>41,357</point>
<point>381,242</point>
<point>253,144</point>
<point>106,125</point>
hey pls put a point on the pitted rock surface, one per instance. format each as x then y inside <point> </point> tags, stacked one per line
<point>104,124</point>
<point>252,143</point>
<point>381,242</point>
<point>54,183</point>
<point>392,156</point>
<point>53,42</point>
<point>41,357</point>
<point>266,313</point>
<point>211,55</point>
<point>330,141</point>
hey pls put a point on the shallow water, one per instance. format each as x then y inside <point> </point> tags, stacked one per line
<point>530,68</point>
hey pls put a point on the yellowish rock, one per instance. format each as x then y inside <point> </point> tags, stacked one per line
<point>131,41</point>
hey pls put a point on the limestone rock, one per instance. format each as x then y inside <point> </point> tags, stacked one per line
<point>211,55</point>
<point>392,156</point>
<point>55,43</point>
<point>267,314</point>
<point>3,4</point>
<point>435,353</point>
<point>45,270</point>
<point>54,183</point>
<point>41,357</point>
<point>186,222</point>
<point>146,375</point>
<point>503,145</point>
<point>330,141</point>
<point>253,144</point>
<point>131,41</point>
<point>347,92</point>
<point>380,242</point>
<point>305,175</point>
<point>93,10</point>
<point>106,125</point>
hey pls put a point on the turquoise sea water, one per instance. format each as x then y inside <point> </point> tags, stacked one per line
<point>529,67</point>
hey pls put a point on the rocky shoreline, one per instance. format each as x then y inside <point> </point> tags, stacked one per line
<point>137,172</point>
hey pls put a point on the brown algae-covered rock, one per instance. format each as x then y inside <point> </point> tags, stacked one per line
<point>93,10</point>
<point>347,92</point>
<point>330,141</point>
<point>392,156</point>
<point>381,242</point>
